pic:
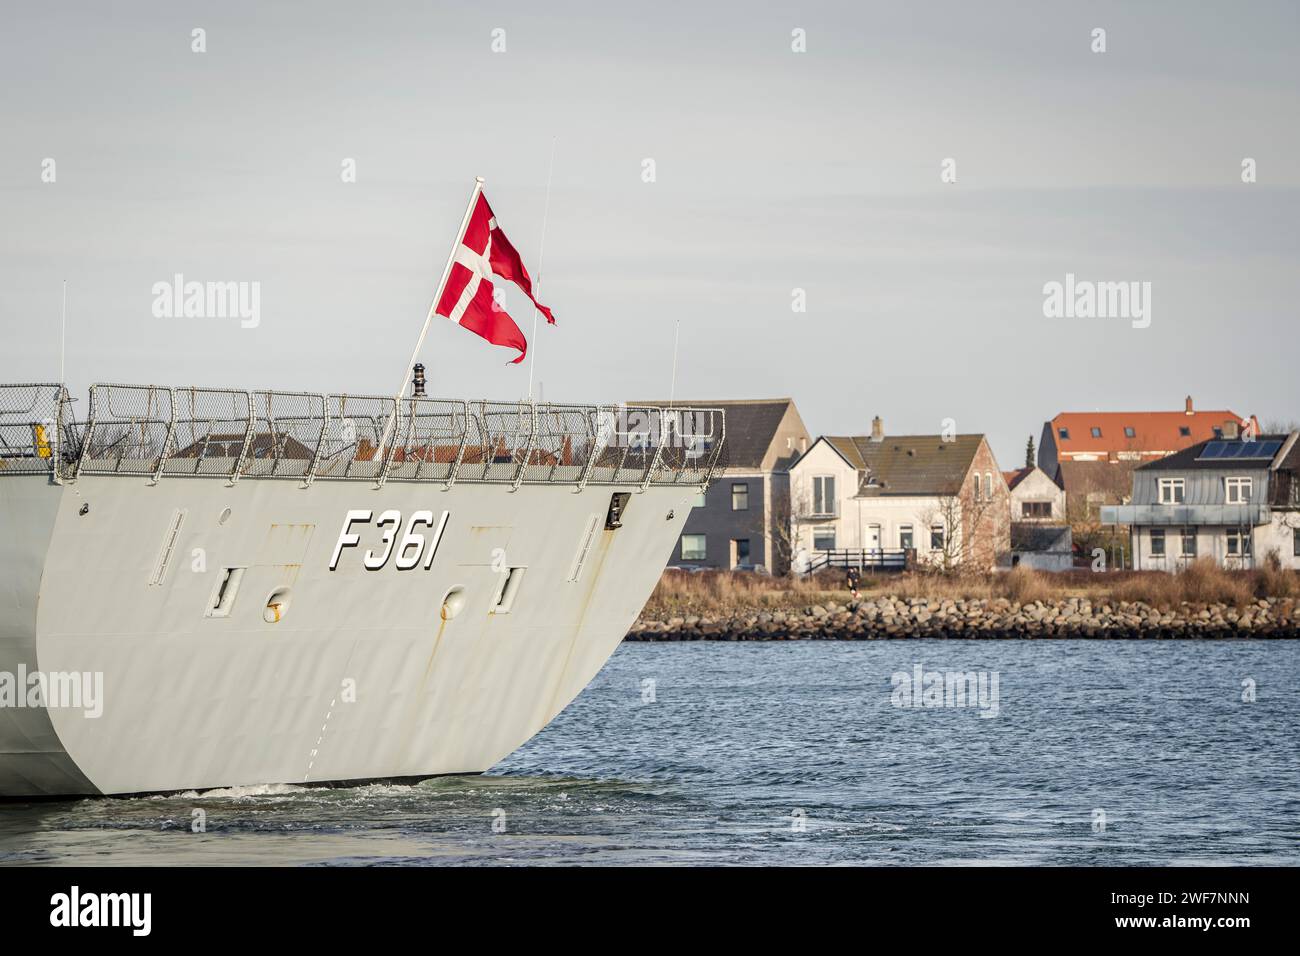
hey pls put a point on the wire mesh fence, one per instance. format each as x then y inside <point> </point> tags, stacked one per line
<point>287,431</point>
<point>128,430</point>
<point>212,432</point>
<point>156,430</point>
<point>31,428</point>
<point>429,440</point>
<point>353,441</point>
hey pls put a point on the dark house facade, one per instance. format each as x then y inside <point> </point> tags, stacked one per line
<point>743,519</point>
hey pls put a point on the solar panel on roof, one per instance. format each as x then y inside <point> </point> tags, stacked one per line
<point>1251,450</point>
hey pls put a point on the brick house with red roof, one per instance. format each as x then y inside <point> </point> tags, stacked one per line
<point>1092,454</point>
<point>1132,436</point>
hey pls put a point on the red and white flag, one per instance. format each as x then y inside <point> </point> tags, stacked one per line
<point>467,298</point>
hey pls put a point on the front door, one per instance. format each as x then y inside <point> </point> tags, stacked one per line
<point>871,538</point>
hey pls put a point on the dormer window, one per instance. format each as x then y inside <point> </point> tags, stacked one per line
<point>1130,431</point>
<point>1096,432</point>
<point>1184,431</point>
<point>1064,433</point>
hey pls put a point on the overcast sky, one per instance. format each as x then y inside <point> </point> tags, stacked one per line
<point>774,171</point>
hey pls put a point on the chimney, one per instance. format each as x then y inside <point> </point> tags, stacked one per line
<point>417,381</point>
<point>877,429</point>
<point>1188,410</point>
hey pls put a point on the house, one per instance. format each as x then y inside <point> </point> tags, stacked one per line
<point>1035,495</point>
<point>1039,537</point>
<point>1232,499</point>
<point>741,520</point>
<point>1117,437</point>
<point>941,499</point>
<point>1043,547</point>
<point>261,445</point>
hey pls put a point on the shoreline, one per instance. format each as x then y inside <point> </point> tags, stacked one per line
<point>893,618</point>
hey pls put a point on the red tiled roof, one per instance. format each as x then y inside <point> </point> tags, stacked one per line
<point>1153,432</point>
<point>1016,477</point>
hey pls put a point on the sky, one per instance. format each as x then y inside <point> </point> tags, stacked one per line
<point>797,237</point>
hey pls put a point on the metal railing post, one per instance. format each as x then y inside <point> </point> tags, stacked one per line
<point>90,434</point>
<point>658,455</point>
<point>56,445</point>
<point>167,441</point>
<point>320,439</point>
<point>460,451</point>
<point>248,438</point>
<point>532,443</point>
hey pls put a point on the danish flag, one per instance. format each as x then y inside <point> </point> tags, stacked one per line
<point>468,297</point>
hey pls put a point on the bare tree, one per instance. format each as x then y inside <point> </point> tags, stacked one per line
<point>971,526</point>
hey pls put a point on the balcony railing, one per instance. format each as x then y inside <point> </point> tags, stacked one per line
<point>159,431</point>
<point>1248,514</point>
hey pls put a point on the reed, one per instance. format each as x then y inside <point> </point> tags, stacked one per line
<point>1203,582</point>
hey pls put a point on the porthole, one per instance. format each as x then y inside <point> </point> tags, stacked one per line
<point>453,602</point>
<point>277,606</point>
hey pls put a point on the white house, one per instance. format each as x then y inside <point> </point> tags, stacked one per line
<point>943,499</point>
<point>1035,496</point>
<point>1235,501</point>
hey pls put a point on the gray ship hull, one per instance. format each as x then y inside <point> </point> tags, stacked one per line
<point>125,581</point>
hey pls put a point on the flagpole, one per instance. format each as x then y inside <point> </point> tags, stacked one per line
<point>63,334</point>
<point>433,307</point>
<point>541,248</point>
<point>672,390</point>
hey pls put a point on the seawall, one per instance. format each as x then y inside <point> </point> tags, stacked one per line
<point>885,618</point>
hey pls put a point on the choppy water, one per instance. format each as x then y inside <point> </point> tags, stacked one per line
<point>793,753</point>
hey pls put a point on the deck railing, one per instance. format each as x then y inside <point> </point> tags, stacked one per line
<point>159,431</point>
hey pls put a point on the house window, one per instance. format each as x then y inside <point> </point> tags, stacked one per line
<point>1172,490</point>
<point>694,547</point>
<point>977,487</point>
<point>1130,432</point>
<point>1064,433</point>
<point>1189,543</point>
<point>936,537</point>
<point>740,497</point>
<point>1238,490</point>
<point>1096,432</point>
<point>1184,431</point>
<point>1036,509</point>
<point>824,538</point>
<point>988,485</point>
<point>905,538</point>
<point>1157,543</point>
<point>823,494</point>
<point>1239,544</point>
<point>1295,542</point>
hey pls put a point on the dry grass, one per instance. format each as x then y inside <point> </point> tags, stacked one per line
<point>722,592</point>
<point>682,593</point>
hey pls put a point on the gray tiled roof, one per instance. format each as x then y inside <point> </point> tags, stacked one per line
<point>751,426</point>
<point>909,464</point>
